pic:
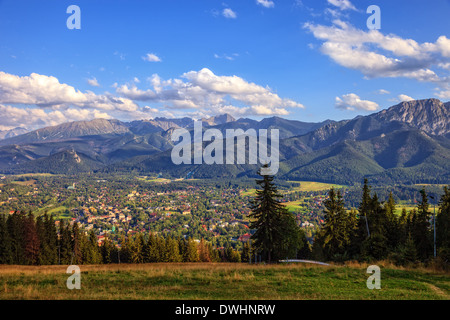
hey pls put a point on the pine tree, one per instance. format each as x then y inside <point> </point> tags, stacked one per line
<point>96,256</point>
<point>443,227</point>
<point>409,250</point>
<point>306,251</point>
<point>124,253</point>
<point>32,244</point>
<point>86,254</point>
<point>336,233</point>
<point>293,238</point>
<point>405,253</point>
<point>246,252</point>
<point>40,230</point>
<point>107,251</point>
<point>231,255</point>
<point>393,232</point>
<point>213,253</point>
<point>191,251</point>
<point>16,230</point>
<point>376,245</point>
<point>161,248</point>
<point>65,243</point>
<point>137,249</point>
<point>273,223</point>
<point>403,225</point>
<point>378,217</point>
<point>52,239</point>
<point>204,252</point>
<point>421,228</point>
<point>172,252</point>
<point>76,245</point>
<point>364,208</point>
<point>152,249</point>
<point>5,242</point>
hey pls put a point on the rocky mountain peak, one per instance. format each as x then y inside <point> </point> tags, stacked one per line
<point>219,119</point>
<point>429,115</point>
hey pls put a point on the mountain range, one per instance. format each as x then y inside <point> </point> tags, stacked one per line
<point>5,134</point>
<point>406,143</point>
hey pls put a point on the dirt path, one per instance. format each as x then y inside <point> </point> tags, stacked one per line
<point>438,290</point>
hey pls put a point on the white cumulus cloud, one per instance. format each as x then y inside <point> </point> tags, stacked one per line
<point>404,97</point>
<point>266,3</point>
<point>93,82</point>
<point>151,57</point>
<point>377,55</point>
<point>342,4</point>
<point>47,92</point>
<point>228,13</point>
<point>209,93</point>
<point>352,101</point>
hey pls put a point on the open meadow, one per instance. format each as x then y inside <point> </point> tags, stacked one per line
<point>210,281</point>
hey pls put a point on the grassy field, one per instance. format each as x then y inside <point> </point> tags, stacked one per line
<point>304,186</point>
<point>153,179</point>
<point>314,186</point>
<point>57,212</point>
<point>408,207</point>
<point>297,205</point>
<point>221,281</point>
<point>34,175</point>
<point>25,183</point>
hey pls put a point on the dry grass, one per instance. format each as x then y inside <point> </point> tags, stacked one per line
<point>389,265</point>
<point>221,281</point>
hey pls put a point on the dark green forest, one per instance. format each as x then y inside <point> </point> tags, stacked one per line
<point>374,232</point>
<point>27,240</point>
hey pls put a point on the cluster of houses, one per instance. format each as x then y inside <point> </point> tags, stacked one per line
<point>107,210</point>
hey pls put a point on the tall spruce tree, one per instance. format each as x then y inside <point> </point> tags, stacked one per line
<point>108,252</point>
<point>393,231</point>
<point>273,223</point>
<point>191,251</point>
<point>421,232</point>
<point>172,251</point>
<point>93,248</point>
<point>403,226</point>
<point>338,228</point>
<point>32,243</point>
<point>77,257</point>
<point>364,208</point>
<point>40,229</point>
<point>65,243</point>
<point>443,227</point>
<point>246,255</point>
<point>51,239</point>
<point>152,249</point>
<point>204,252</point>
<point>376,245</point>
<point>137,249</point>
<point>5,242</point>
<point>16,230</point>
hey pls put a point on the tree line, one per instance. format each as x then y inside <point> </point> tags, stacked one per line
<point>375,232</point>
<point>372,232</point>
<point>29,240</point>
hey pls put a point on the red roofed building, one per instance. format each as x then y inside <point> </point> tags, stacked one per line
<point>245,237</point>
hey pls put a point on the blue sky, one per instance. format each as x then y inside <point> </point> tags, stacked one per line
<point>308,60</point>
